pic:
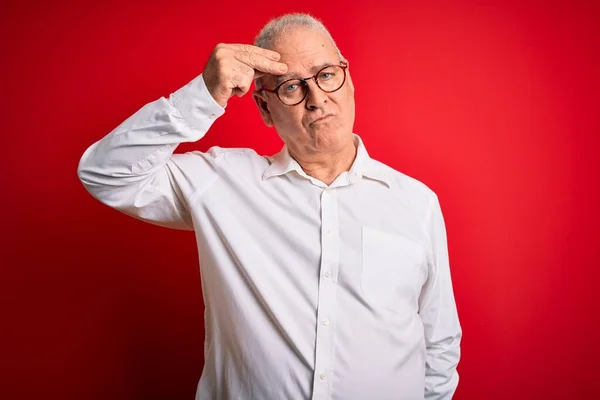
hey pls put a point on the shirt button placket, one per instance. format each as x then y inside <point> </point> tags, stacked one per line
<point>324,354</point>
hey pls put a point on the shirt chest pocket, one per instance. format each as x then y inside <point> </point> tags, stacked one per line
<point>393,269</point>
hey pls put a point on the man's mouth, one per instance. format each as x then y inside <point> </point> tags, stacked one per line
<point>322,119</point>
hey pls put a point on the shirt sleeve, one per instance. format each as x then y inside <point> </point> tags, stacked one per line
<point>133,168</point>
<point>438,312</point>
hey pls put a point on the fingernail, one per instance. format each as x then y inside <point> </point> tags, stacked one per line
<point>282,67</point>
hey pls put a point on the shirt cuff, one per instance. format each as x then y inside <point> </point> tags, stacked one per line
<point>196,105</point>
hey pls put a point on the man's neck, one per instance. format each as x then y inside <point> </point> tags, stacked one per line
<point>326,166</point>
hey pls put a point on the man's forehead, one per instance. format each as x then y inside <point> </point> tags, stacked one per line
<point>298,43</point>
<point>305,51</point>
<point>310,69</point>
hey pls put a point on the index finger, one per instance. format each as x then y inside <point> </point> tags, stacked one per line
<point>248,48</point>
<point>261,63</point>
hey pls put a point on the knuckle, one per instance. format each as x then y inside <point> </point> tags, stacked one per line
<point>242,68</point>
<point>254,58</point>
<point>224,74</point>
<point>222,69</point>
<point>267,53</point>
<point>241,81</point>
<point>269,65</point>
<point>248,70</point>
<point>243,90</point>
<point>220,53</point>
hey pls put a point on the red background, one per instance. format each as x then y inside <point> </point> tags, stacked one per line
<point>493,106</point>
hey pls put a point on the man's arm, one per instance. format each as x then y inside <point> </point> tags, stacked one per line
<point>133,168</point>
<point>437,309</point>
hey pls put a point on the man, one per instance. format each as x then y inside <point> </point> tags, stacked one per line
<point>325,273</point>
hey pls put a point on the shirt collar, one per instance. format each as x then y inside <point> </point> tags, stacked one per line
<point>363,166</point>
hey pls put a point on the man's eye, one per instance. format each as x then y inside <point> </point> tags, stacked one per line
<point>291,87</point>
<point>326,75</point>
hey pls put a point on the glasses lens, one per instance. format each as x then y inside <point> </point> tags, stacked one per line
<point>292,91</point>
<point>331,78</point>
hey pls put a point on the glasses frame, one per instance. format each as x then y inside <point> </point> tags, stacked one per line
<point>304,81</point>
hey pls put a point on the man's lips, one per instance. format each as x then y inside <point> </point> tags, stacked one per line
<point>323,118</point>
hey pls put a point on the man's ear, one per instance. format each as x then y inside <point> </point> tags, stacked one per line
<point>263,107</point>
<point>350,82</point>
<point>348,77</point>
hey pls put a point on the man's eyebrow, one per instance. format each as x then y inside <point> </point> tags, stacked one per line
<point>313,69</point>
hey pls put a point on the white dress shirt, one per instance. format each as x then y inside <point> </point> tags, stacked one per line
<point>311,291</point>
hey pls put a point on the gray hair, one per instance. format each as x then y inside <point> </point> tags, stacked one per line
<point>275,27</point>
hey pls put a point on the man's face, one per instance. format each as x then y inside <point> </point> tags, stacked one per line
<point>302,127</point>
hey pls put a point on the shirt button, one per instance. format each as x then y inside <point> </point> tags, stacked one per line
<point>328,274</point>
<point>326,322</point>
<point>329,231</point>
<point>323,375</point>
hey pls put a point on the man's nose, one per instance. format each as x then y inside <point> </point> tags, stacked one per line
<point>315,97</point>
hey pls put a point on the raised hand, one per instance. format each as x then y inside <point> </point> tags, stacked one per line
<point>231,69</point>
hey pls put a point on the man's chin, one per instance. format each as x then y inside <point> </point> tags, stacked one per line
<point>331,139</point>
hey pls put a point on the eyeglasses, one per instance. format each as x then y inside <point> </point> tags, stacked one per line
<point>293,91</point>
